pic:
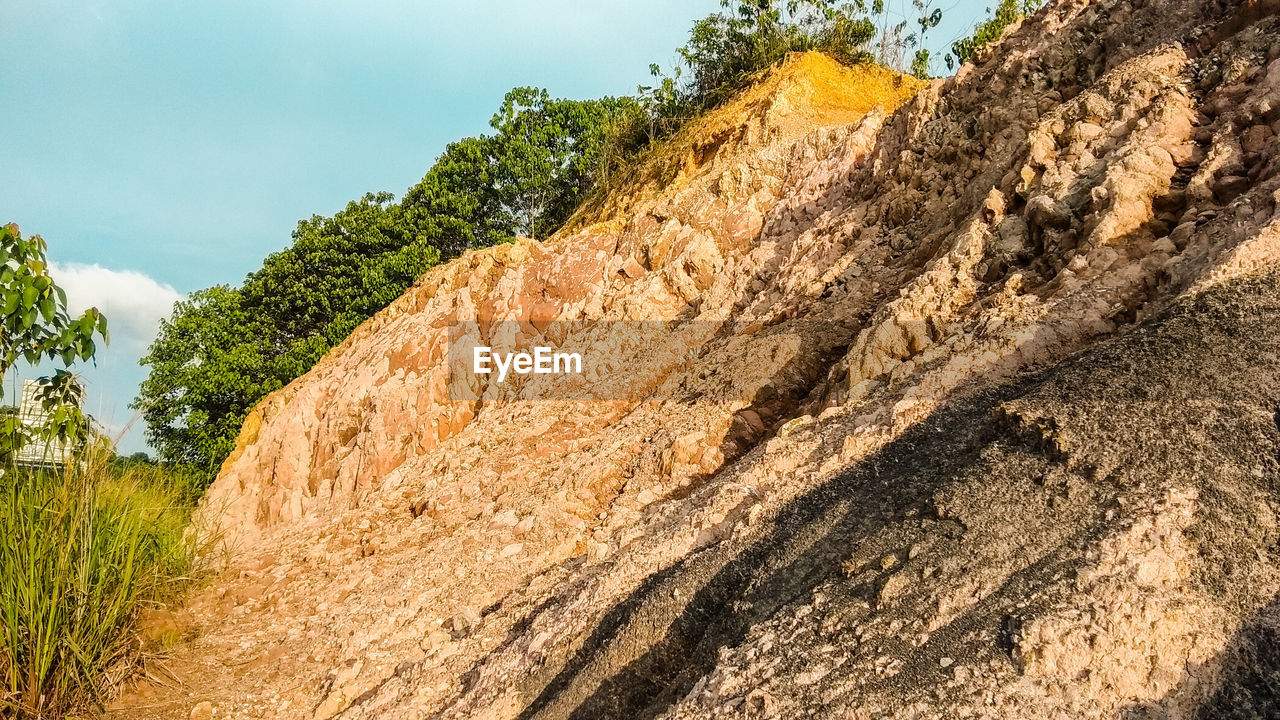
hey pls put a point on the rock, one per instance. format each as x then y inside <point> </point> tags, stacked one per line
<point>794,425</point>
<point>969,308</point>
<point>333,704</point>
<point>461,624</point>
<point>435,640</point>
<point>632,269</point>
<point>894,587</point>
<point>345,673</point>
<point>1254,139</point>
<point>1047,212</point>
<point>202,711</point>
<point>1229,187</point>
<point>1182,233</point>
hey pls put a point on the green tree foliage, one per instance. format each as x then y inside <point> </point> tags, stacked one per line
<point>35,327</point>
<point>546,153</point>
<point>987,32</point>
<point>457,204</point>
<point>209,363</point>
<point>928,17</point>
<point>300,291</point>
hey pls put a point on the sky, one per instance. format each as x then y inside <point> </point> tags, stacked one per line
<point>164,147</point>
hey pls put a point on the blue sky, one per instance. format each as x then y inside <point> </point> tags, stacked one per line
<point>162,147</point>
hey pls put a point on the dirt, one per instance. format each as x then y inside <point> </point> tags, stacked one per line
<point>962,408</point>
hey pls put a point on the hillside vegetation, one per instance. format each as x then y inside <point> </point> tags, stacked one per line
<point>225,348</point>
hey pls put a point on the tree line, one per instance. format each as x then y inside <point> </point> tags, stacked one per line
<point>225,348</point>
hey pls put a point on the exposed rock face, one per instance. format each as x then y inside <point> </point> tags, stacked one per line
<point>963,409</point>
<point>394,401</point>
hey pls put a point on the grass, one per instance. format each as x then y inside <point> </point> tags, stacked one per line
<point>83,550</point>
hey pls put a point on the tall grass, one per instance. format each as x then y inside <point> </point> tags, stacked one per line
<point>82,549</point>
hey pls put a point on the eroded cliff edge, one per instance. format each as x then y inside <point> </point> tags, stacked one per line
<point>966,408</point>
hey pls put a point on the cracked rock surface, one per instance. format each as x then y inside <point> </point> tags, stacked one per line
<point>902,402</point>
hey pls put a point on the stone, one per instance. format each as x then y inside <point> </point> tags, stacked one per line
<point>1229,187</point>
<point>949,293</point>
<point>1254,139</point>
<point>461,624</point>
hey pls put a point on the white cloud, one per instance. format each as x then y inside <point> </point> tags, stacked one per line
<point>133,302</point>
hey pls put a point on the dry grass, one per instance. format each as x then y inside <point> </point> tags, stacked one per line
<point>85,549</point>
<point>806,91</point>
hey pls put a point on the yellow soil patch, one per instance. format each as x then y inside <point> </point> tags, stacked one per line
<point>805,92</point>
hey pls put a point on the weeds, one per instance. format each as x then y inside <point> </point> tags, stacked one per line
<point>85,548</point>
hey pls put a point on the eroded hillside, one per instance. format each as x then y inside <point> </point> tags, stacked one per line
<point>966,408</point>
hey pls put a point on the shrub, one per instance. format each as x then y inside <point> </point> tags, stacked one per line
<point>990,30</point>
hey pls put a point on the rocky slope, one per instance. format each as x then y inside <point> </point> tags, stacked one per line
<point>967,408</point>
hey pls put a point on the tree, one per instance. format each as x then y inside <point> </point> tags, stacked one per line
<point>300,290</point>
<point>545,153</point>
<point>36,327</point>
<point>456,206</point>
<point>209,363</point>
